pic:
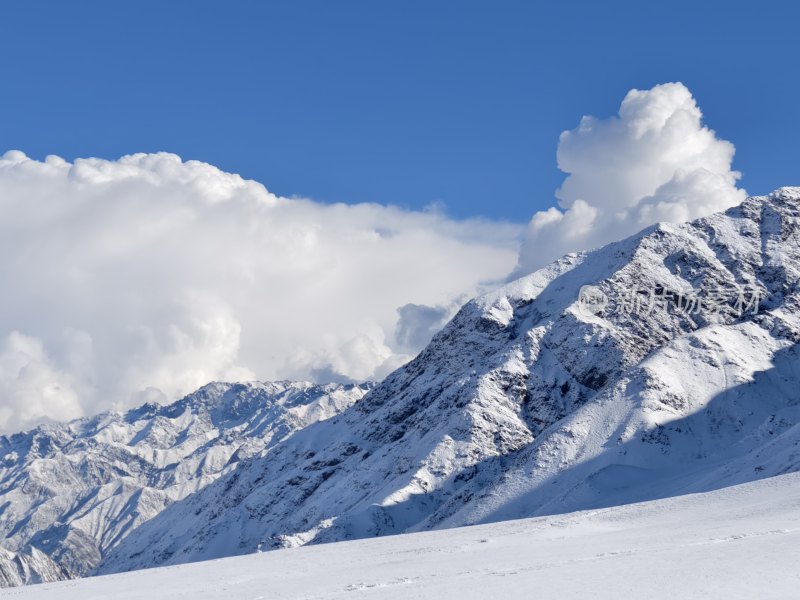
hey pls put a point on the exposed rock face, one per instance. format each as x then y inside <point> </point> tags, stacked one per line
<point>70,492</point>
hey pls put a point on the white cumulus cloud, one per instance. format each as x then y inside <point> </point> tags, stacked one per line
<point>143,278</point>
<point>654,161</point>
<point>146,277</point>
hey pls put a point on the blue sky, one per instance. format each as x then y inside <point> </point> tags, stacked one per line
<point>405,103</point>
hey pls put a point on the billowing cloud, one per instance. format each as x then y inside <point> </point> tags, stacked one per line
<point>143,278</point>
<point>655,161</point>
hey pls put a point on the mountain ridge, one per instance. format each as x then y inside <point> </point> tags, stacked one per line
<point>527,403</point>
<point>71,491</point>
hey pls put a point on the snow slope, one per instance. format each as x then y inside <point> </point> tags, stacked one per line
<point>736,543</point>
<point>70,492</point>
<point>526,404</point>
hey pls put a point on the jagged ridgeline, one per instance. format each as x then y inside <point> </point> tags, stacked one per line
<point>71,492</point>
<point>676,371</point>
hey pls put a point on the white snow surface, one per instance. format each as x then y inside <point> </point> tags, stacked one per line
<point>525,406</point>
<point>739,542</point>
<point>69,492</point>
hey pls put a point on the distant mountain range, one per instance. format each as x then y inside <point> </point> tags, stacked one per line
<point>71,492</point>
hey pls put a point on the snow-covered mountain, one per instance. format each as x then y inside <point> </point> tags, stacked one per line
<point>71,492</point>
<point>677,371</point>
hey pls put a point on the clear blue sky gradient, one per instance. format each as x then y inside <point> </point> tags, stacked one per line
<point>394,102</point>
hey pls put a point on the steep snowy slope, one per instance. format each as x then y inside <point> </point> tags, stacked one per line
<point>70,492</point>
<point>676,372</point>
<point>737,543</point>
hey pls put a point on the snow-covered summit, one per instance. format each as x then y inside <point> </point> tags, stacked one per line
<point>658,365</point>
